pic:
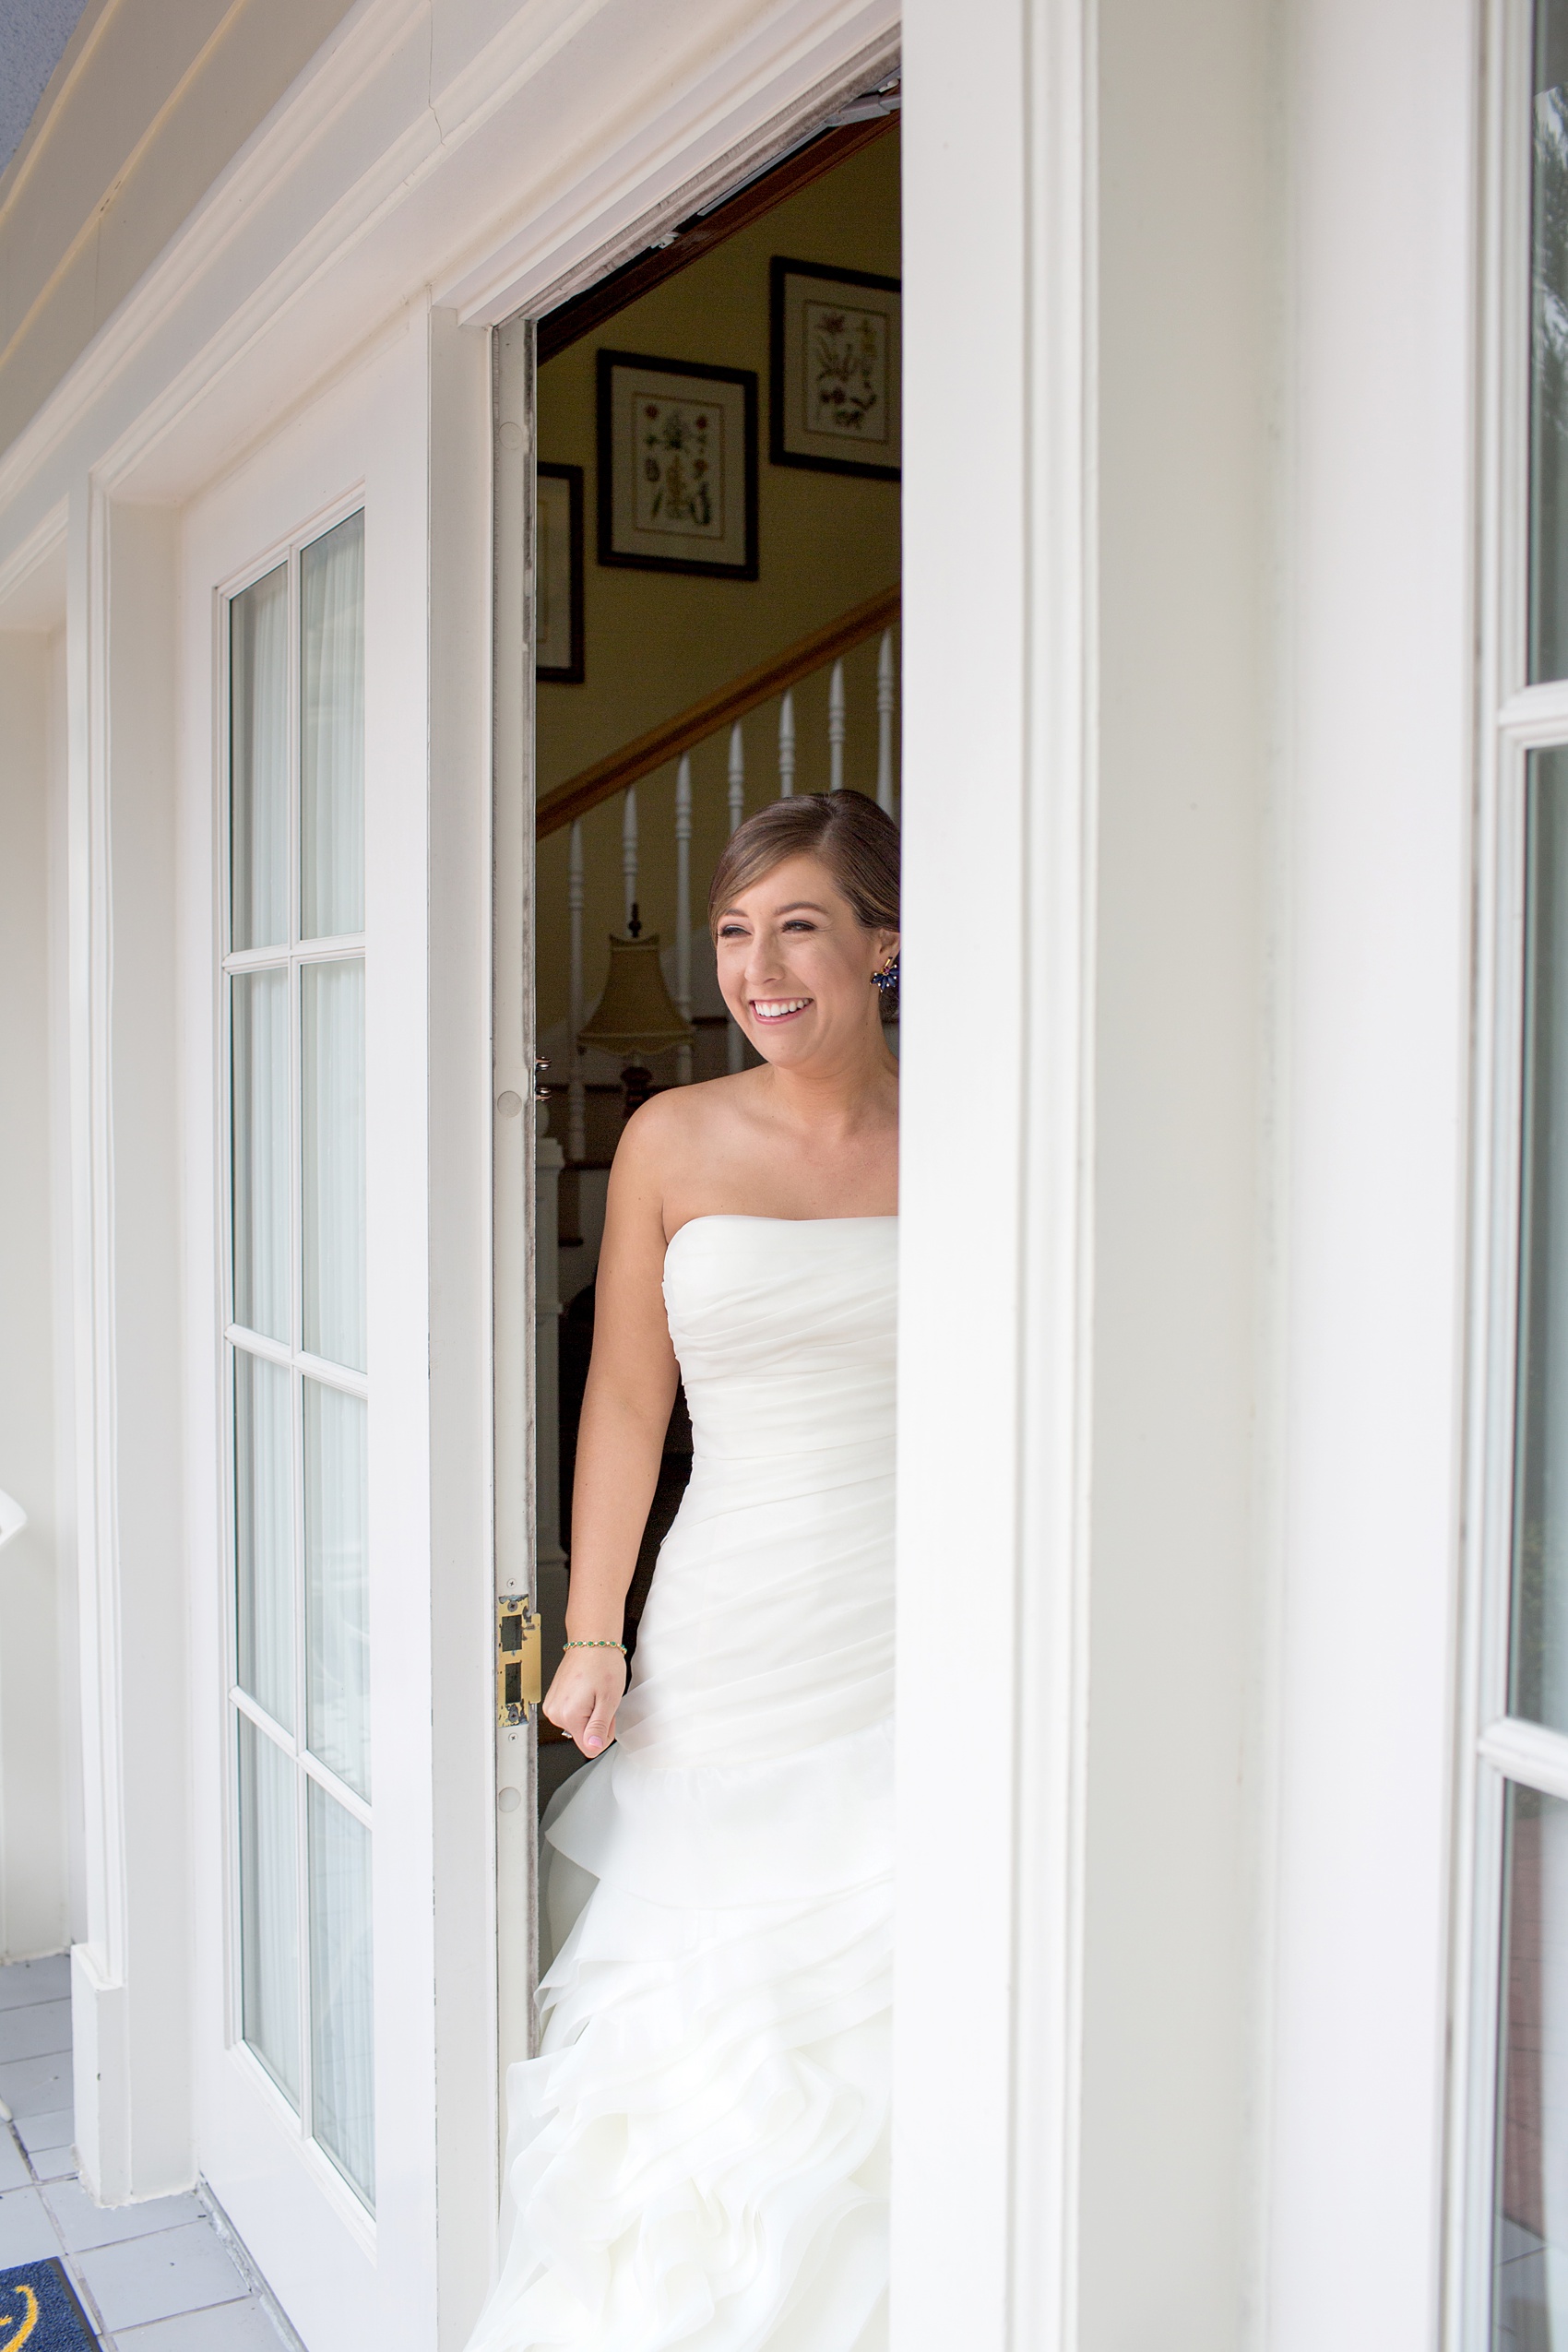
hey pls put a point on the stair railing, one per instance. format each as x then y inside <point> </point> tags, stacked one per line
<point>675,741</point>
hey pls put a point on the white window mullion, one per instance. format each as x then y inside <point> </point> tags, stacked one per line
<point>337,1789</point>
<point>1535,1758</point>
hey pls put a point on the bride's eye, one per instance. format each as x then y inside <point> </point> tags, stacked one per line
<point>731,930</point>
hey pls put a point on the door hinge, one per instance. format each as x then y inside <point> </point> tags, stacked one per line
<point>518,1658</point>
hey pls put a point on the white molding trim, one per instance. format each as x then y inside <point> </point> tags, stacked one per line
<point>1511,720</point>
<point>365,89</point>
<point>44,545</point>
<point>998,120</point>
<point>343,68</point>
<point>606,219</point>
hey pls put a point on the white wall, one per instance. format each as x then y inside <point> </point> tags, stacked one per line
<point>1374,845</point>
<point>35,1569</point>
<point>1094,711</point>
<point>1187,303</point>
<point>131,1968</point>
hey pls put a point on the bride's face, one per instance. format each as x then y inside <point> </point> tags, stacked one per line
<point>795,965</point>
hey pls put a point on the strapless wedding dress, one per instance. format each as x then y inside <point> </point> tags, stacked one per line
<point>699,2156</point>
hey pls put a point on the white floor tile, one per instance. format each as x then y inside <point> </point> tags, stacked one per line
<point>28,1980</point>
<point>13,2164</point>
<point>27,2234</point>
<point>84,2225</point>
<point>234,2327</point>
<point>54,2164</point>
<point>36,2085</point>
<point>56,2129</point>
<point>154,2278</point>
<point>41,2029</point>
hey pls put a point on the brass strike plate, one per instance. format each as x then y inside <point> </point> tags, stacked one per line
<point>518,1659</point>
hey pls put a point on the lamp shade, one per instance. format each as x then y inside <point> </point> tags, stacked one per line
<point>636,1014</point>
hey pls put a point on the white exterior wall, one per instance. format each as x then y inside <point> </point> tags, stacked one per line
<point>1186,794</point>
<point>36,1717</point>
<point>1187,366</point>
<point>1372,1041</point>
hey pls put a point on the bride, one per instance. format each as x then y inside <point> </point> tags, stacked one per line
<point>697,2158</point>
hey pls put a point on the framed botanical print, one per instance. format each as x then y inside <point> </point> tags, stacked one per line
<point>677,465</point>
<point>558,574</point>
<point>837,355</point>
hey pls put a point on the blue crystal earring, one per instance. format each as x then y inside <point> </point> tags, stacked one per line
<point>887,979</point>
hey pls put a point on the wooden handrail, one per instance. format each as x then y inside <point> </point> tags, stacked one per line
<point>701,719</point>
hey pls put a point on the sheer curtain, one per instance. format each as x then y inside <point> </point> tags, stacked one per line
<point>264,1535</point>
<point>336,1588</point>
<point>258,762</point>
<point>332,1017</point>
<point>332,1009</point>
<point>270,1922</point>
<point>332,733</point>
<point>341,1990</point>
<point>259,1078</point>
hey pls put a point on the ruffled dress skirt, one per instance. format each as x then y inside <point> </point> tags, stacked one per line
<point>697,2158</point>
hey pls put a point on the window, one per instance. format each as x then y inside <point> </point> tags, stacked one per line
<point>295,1336</point>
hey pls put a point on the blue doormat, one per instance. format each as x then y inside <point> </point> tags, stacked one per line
<point>39,2308</point>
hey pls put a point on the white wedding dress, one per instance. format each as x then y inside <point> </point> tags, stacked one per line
<point>699,2156</point>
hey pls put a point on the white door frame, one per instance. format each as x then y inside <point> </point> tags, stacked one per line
<point>982,2252</point>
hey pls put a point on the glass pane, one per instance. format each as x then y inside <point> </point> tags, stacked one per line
<point>332,1013</point>
<point>258,762</point>
<point>1530,2243</point>
<point>342,2043</point>
<point>332,732</point>
<point>336,1591</point>
<point>269,1924</point>
<point>260,1054</point>
<point>1538,1660</point>
<point>264,1536</point>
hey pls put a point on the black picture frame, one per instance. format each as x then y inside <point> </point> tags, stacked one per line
<point>613,552</point>
<point>573,669</point>
<point>780,269</point>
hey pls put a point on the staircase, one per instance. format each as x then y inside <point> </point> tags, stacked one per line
<point>707,751</point>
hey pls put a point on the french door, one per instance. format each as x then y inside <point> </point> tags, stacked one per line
<point>294,1031</point>
<point>1511,2150</point>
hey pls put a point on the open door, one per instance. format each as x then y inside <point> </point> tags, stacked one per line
<point>698,468</point>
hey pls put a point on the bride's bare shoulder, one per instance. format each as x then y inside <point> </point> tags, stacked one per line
<point>679,1120</point>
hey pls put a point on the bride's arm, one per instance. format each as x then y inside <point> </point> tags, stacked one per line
<point>631,1387</point>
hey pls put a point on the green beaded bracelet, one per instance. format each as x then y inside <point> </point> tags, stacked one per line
<point>596,1646</point>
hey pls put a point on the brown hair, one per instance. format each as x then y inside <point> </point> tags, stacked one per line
<point>856,841</point>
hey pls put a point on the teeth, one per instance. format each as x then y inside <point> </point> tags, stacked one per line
<point>777,1012</point>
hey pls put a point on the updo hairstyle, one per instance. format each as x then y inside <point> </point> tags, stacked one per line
<point>857,842</point>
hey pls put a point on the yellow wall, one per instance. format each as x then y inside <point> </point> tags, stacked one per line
<point>657,641</point>
<point>146,108</point>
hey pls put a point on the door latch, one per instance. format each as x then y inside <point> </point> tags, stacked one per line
<point>518,1658</point>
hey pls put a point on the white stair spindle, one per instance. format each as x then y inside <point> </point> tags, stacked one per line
<point>737,775</point>
<point>787,745</point>
<point>835,729</point>
<point>629,850</point>
<point>737,811</point>
<point>577,1124</point>
<point>884,723</point>
<point>684,910</point>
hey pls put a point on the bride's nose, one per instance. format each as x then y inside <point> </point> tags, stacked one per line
<point>765,964</point>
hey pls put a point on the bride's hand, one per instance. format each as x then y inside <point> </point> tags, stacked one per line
<point>587,1687</point>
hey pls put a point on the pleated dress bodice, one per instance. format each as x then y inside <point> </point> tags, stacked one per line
<point>770,1625</point>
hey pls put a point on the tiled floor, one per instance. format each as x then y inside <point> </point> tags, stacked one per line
<point>154,2278</point>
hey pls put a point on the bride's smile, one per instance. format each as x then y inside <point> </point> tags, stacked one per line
<point>795,964</point>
